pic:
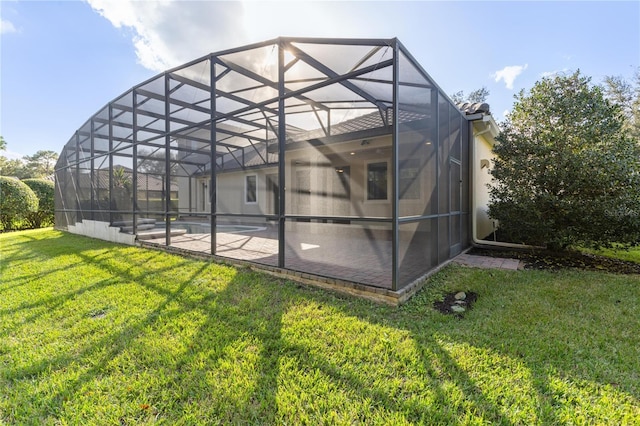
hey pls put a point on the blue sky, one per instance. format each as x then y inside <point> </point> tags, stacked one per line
<point>61,61</point>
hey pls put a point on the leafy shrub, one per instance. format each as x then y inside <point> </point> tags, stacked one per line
<point>44,190</point>
<point>16,201</point>
<point>566,173</point>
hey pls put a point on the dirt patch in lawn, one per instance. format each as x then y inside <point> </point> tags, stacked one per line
<point>456,303</point>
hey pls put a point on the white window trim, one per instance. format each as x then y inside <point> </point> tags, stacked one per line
<point>366,183</point>
<point>246,177</point>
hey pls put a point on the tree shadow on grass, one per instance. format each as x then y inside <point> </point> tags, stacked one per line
<point>225,350</point>
<point>243,314</point>
<point>21,280</point>
<point>441,408</point>
<point>46,306</point>
<point>243,308</point>
<point>106,348</point>
<point>227,367</point>
<point>48,303</point>
<point>239,342</point>
<point>559,367</point>
<point>39,248</point>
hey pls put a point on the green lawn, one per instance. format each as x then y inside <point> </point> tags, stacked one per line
<point>96,333</point>
<point>631,255</point>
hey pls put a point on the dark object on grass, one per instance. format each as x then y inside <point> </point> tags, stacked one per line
<point>451,305</point>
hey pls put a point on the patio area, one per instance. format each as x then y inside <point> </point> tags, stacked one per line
<point>331,256</point>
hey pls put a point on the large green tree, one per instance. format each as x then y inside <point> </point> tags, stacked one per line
<point>566,172</point>
<point>41,164</point>
<point>478,95</point>
<point>626,94</point>
<point>12,167</point>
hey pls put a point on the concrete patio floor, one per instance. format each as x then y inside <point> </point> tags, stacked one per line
<point>365,261</point>
<point>342,258</point>
<point>364,258</point>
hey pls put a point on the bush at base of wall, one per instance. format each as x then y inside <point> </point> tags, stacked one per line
<point>16,201</point>
<point>44,190</point>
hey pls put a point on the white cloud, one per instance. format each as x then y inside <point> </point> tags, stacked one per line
<point>508,74</point>
<point>7,27</point>
<point>505,114</point>
<point>166,33</point>
<point>264,20</point>
<point>554,72</point>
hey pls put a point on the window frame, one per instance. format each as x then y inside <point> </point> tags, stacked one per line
<point>368,182</point>
<point>255,189</point>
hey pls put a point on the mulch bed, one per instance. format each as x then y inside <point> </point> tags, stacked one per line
<point>556,261</point>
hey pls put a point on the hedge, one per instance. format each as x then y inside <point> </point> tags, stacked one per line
<point>16,201</point>
<point>44,190</point>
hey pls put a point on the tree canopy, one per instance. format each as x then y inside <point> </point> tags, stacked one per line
<point>566,173</point>
<point>39,165</point>
<point>627,95</point>
<point>478,95</point>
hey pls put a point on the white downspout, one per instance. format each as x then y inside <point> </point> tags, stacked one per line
<point>474,225</point>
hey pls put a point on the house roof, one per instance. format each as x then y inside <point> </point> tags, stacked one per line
<point>470,108</point>
<point>362,127</point>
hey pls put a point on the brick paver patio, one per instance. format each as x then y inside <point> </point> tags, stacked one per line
<point>487,262</point>
<point>352,259</point>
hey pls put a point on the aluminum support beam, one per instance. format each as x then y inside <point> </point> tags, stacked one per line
<point>282,140</point>
<point>167,165</point>
<point>395,191</point>
<point>213,193</point>
<point>134,166</point>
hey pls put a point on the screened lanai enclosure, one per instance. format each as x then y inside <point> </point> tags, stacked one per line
<point>336,158</point>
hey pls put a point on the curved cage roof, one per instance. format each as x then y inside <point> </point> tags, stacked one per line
<point>330,86</point>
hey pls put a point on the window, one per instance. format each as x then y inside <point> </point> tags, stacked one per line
<point>250,189</point>
<point>409,182</point>
<point>377,181</point>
